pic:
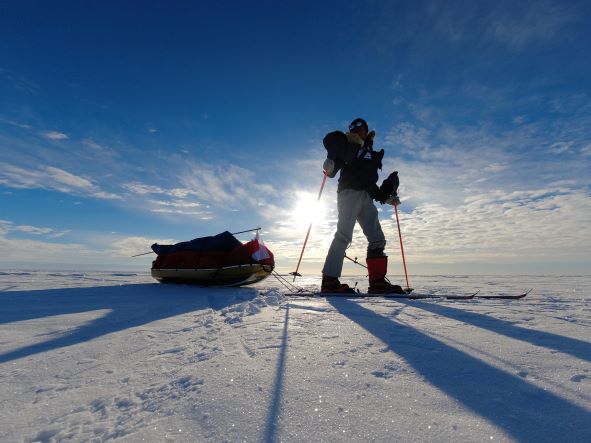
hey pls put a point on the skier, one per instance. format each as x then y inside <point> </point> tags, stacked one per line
<point>353,154</point>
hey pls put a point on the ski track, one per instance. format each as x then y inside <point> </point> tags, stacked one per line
<point>93,357</point>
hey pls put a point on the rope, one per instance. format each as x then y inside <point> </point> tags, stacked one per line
<point>288,285</point>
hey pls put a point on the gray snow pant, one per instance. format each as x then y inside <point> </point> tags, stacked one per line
<point>353,206</point>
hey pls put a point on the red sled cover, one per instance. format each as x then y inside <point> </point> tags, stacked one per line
<point>253,252</point>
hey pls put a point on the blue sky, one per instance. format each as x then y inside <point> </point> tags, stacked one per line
<point>123,124</point>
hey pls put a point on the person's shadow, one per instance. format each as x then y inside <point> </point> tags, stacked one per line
<point>129,306</point>
<point>577,348</point>
<point>524,411</point>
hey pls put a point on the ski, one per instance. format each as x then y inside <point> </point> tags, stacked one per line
<point>411,296</point>
<point>506,297</point>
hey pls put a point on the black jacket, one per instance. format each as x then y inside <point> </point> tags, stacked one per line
<point>362,172</point>
<point>358,162</point>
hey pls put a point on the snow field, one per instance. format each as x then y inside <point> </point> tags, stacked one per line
<point>108,357</point>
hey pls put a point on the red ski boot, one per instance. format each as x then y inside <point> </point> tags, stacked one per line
<point>377,268</point>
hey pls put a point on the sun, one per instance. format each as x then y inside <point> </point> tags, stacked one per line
<point>307,210</point>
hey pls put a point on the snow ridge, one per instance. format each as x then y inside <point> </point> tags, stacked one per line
<point>235,313</point>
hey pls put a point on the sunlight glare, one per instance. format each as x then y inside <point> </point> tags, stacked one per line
<point>307,210</point>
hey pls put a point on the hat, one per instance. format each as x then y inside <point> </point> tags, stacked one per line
<point>358,123</point>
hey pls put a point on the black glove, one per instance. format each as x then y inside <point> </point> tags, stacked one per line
<point>388,191</point>
<point>390,185</point>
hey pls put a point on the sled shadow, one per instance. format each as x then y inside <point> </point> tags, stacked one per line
<point>572,346</point>
<point>128,305</point>
<point>522,410</point>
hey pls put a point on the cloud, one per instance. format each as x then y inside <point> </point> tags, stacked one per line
<point>113,249</point>
<point>178,204</point>
<point>471,193</point>
<point>67,179</point>
<point>462,159</point>
<point>489,194</point>
<point>27,251</point>
<point>534,22</point>
<point>33,230</point>
<point>222,186</point>
<point>16,124</point>
<point>105,195</point>
<point>51,178</point>
<point>100,150</point>
<point>18,81</point>
<point>125,247</point>
<point>178,201</point>
<point>107,173</point>
<point>143,189</point>
<point>514,25</point>
<point>7,227</point>
<point>68,168</point>
<point>561,147</point>
<point>55,135</point>
<point>534,225</point>
<point>4,226</point>
<point>519,119</point>
<point>182,207</point>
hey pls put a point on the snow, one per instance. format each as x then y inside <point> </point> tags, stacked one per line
<point>116,356</point>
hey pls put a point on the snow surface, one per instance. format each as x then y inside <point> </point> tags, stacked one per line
<point>117,356</point>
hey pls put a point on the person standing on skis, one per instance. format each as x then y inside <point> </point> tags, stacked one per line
<point>353,154</point>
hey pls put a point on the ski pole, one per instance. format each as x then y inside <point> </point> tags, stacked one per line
<point>296,274</point>
<point>401,247</point>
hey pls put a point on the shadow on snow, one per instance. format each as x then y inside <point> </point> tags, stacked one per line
<point>272,424</point>
<point>129,306</point>
<point>576,348</point>
<point>522,410</point>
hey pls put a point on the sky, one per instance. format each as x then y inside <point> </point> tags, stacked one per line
<point>123,124</point>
